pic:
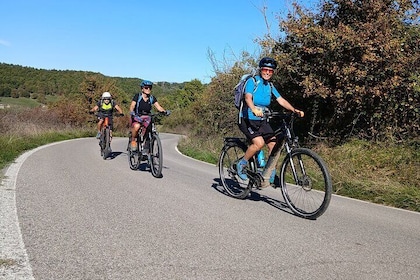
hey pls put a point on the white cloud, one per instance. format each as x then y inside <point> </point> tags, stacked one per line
<point>4,43</point>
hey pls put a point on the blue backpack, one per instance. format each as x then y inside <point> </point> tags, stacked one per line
<point>239,89</point>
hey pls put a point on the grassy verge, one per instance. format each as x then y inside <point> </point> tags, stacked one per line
<point>383,173</point>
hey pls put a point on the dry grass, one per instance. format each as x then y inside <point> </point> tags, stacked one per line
<point>385,173</point>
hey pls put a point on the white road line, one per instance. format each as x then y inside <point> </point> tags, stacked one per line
<point>14,262</point>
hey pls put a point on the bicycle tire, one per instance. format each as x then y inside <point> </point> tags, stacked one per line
<point>101,143</point>
<point>156,156</point>
<point>231,153</point>
<point>310,195</point>
<point>133,157</point>
<point>106,146</point>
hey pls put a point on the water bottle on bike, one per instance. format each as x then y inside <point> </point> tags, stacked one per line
<point>261,159</point>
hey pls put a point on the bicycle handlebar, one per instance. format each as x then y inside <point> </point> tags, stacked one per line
<point>97,114</point>
<point>165,113</point>
<point>280,115</point>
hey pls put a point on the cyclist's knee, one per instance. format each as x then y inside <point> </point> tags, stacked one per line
<point>258,142</point>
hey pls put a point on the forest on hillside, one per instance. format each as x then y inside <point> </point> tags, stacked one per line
<point>20,81</point>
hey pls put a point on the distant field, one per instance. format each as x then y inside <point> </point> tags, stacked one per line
<point>21,102</point>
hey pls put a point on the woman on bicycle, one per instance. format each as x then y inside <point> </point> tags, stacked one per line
<point>252,123</point>
<point>140,107</point>
<point>105,107</point>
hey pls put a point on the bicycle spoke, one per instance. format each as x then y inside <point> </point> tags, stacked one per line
<point>306,184</point>
<point>232,184</point>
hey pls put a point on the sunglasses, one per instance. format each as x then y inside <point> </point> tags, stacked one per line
<point>147,87</point>
<point>267,70</point>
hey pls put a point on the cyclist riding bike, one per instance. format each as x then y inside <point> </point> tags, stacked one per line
<point>140,108</point>
<point>252,122</point>
<point>105,107</point>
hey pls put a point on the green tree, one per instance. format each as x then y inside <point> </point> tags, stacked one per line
<point>352,66</point>
<point>188,94</point>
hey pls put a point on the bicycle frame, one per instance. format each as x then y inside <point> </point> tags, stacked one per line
<point>105,123</point>
<point>141,139</point>
<point>287,143</point>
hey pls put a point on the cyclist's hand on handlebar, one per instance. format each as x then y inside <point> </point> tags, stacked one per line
<point>167,112</point>
<point>299,113</point>
<point>258,112</point>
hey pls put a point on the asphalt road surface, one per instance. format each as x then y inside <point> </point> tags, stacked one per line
<point>68,214</point>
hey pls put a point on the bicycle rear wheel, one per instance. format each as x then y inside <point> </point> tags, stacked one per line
<point>305,183</point>
<point>156,156</point>
<point>231,153</point>
<point>133,156</point>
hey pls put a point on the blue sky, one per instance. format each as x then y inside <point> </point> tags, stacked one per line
<point>161,40</point>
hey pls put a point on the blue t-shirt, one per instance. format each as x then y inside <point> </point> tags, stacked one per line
<point>261,96</point>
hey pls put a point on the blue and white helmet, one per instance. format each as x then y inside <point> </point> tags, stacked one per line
<point>146,83</point>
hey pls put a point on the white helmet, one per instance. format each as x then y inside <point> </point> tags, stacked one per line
<point>106,95</point>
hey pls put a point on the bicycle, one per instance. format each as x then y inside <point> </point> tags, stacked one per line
<point>149,148</point>
<point>305,181</point>
<point>105,138</point>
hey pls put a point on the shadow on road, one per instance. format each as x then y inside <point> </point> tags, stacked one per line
<point>255,196</point>
<point>113,155</point>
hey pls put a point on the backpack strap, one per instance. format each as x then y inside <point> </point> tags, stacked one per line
<point>151,98</point>
<point>243,96</point>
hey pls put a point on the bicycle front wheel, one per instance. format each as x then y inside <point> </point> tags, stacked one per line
<point>133,156</point>
<point>106,145</point>
<point>156,156</point>
<point>306,183</point>
<point>231,153</point>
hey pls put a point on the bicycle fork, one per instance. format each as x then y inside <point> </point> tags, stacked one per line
<point>293,167</point>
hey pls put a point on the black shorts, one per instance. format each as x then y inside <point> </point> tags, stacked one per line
<point>111,119</point>
<point>253,129</point>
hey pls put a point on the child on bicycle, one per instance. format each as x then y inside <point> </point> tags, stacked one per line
<point>105,107</point>
<point>252,122</point>
<point>140,107</point>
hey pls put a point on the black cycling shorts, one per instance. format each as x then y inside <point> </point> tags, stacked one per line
<point>253,128</point>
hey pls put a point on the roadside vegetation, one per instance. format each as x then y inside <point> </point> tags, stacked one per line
<point>384,172</point>
<point>353,67</point>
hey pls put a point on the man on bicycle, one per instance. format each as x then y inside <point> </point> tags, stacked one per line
<point>105,107</point>
<point>140,108</point>
<point>252,122</point>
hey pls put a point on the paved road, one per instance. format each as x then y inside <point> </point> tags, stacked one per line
<point>82,217</point>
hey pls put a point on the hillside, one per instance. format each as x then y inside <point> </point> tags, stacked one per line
<point>19,81</point>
